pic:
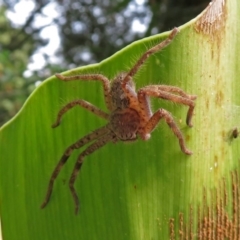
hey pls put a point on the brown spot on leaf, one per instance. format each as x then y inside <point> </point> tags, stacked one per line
<point>219,98</point>
<point>213,19</point>
<point>217,217</point>
<point>207,103</point>
<point>187,138</point>
<point>171,228</point>
<point>235,132</point>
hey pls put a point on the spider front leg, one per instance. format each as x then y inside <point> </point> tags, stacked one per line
<point>82,103</point>
<point>153,121</point>
<point>92,77</point>
<point>164,92</point>
<point>147,54</point>
<point>80,143</point>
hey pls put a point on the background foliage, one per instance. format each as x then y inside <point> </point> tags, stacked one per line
<point>89,32</point>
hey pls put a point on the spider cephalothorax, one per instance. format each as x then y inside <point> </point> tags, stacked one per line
<point>130,115</point>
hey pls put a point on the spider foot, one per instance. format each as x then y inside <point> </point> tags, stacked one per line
<point>59,76</point>
<point>55,124</point>
<point>43,205</point>
<point>48,195</point>
<point>189,121</point>
<point>187,151</point>
<point>75,198</point>
<point>76,210</point>
<point>174,32</point>
<point>193,97</point>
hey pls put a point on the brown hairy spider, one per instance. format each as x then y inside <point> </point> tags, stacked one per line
<point>129,116</point>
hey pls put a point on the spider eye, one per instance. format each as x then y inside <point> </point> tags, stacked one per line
<point>128,137</point>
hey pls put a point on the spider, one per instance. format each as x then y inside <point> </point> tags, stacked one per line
<point>130,115</point>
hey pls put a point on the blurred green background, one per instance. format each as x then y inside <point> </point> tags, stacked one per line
<point>40,38</point>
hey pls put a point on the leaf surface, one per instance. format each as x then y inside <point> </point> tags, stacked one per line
<point>127,191</point>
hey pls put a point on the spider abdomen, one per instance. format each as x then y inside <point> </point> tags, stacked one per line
<point>125,124</point>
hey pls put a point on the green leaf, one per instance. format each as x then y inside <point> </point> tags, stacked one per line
<point>137,190</point>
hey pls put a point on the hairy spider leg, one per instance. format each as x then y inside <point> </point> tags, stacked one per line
<point>144,103</point>
<point>147,54</point>
<point>109,137</point>
<point>156,91</point>
<point>92,77</point>
<point>174,89</point>
<point>154,120</point>
<point>82,103</point>
<point>81,142</point>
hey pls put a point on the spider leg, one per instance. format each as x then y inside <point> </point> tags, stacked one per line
<point>110,137</point>
<point>173,89</point>
<point>90,107</point>
<point>147,54</point>
<point>156,91</point>
<point>92,77</point>
<point>153,121</point>
<point>81,142</point>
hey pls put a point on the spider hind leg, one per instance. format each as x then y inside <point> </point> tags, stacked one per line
<point>80,143</point>
<point>110,137</point>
